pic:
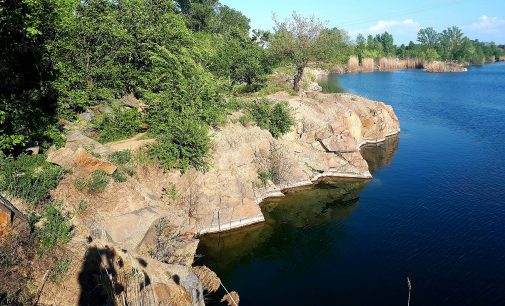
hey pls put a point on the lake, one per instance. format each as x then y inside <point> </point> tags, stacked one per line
<point>434,211</point>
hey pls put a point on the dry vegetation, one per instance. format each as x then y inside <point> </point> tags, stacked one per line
<point>443,67</point>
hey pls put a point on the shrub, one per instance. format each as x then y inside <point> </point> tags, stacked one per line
<point>121,157</point>
<point>82,207</point>
<point>55,231</point>
<point>29,177</point>
<point>184,144</point>
<point>120,123</point>
<point>98,182</point>
<point>277,118</point>
<point>119,176</point>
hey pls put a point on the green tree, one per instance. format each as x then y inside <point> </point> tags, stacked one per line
<point>428,37</point>
<point>451,41</point>
<point>298,41</point>
<point>387,42</point>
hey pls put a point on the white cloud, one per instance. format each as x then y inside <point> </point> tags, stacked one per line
<point>390,25</point>
<point>489,24</point>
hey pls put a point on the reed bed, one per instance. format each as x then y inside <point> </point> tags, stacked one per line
<point>353,64</point>
<point>368,65</point>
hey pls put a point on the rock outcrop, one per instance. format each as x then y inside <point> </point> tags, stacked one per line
<point>151,220</point>
<point>325,143</point>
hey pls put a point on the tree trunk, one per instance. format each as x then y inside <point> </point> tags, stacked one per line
<point>298,78</point>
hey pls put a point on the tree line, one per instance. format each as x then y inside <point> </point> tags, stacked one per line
<point>183,58</point>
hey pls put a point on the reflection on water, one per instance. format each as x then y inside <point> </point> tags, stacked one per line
<point>380,154</point>
<point>300,228</point>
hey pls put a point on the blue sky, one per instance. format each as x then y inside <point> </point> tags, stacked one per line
<point>483,20</point>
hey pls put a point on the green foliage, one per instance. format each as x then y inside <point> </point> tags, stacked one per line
<point>81,208</point>
<point>182,144</point>
<point>184,100</point>
<point>121,157</point>
<point>60,269</point>
<point>273,88</point>
<point>80,183</point>
<point>277,118</point>
<point>55,231</point>
<point>29,177</point>
<point>119,176</point>
<point>97,182</point>
<point>265,177</point>
<point>120,123</point>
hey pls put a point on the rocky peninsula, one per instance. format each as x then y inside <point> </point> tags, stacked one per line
<point>151,222</point>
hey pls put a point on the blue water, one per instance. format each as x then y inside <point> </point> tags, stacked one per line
<point>435,210</point>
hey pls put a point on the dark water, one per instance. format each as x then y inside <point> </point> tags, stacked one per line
<point>435,210</point>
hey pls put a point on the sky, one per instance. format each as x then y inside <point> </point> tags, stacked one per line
<point>481,19</point>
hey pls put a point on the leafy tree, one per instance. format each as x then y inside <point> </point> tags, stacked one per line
<point>451,40</point>
<point>183,101</point>
<point>360,46</point>
<point>298,41</point>
<point>339,46</point>
<point>200,15</point>
<point>387,42</point>
<point>428,37</point>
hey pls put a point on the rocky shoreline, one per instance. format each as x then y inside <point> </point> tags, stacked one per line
<point>151,222</point>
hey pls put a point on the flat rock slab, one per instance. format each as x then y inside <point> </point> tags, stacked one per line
<point>79,161</point>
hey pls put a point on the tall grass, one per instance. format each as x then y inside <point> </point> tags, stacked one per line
<point>367,65</point>
<point>353,64</point>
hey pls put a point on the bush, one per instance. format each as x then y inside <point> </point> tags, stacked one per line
<point>55,231</point>
<point>119,124</point>
<point>121,158</point>
<point>277,118</point>
<point>29,177</point>
<point>184,144</point>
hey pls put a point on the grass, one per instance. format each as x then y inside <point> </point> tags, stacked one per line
<point>60,269</point>
<point>29,177</point>
<point>97,182</point>
<point>274,88</point>
<point>56,229</point>
<point>82,207</point>
<point>121,158</point>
